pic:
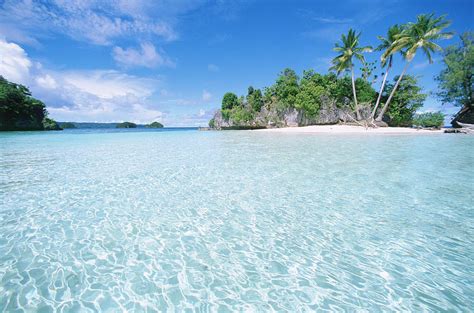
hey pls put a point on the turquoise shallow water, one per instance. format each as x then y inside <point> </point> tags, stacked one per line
<point>235,221</point>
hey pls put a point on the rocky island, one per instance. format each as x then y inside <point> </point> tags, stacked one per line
<point>154,125</point>
<point>322,99</point>
<point>316,99</point>
<point>126,125</point>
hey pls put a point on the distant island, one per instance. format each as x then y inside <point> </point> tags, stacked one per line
<point>154,125</point>
<point>67,125</point>
<point>126,125</point>
<point>133,125</point>
<point>20,111</point>
<point>99,125</point>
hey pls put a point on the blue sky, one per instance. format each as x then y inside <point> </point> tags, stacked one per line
<point>171,61</point>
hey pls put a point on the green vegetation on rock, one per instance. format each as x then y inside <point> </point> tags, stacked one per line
<point>20,111</point>
<point>429,119</point>
<point>154,125</point>
<point>126,125</point>
<point>49,124</point>
<point>330,98</point>
<point>212,123</point>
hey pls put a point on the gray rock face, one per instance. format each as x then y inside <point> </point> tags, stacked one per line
<point>329,113</point>
<point>466,116</point>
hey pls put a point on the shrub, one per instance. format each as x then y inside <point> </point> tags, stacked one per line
<point>49,124</point>
<point>429,119</point>
<point>212,123</point>
<point>241,115</point>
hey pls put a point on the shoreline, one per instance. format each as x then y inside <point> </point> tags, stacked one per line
<point>350,129</point>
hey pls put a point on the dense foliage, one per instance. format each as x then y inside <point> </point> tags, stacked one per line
<point>456,81</point>
<point>306,94</point>
<point>20,111</point>
<point>430,119</point>
<point>229,101</point>
<point>126,125</point>
<point>49,124</point>
<point>154,125</point>
<point>212,123</point>
<point>405,102</point>
<point>356,98</point>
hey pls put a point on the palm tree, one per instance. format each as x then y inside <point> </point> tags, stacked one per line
<point>386,44</point>
<point>343,62</point>
<point>419,35</point>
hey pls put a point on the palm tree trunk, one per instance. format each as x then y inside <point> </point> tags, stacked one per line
<point>381,90</point>
<point>384,109</point>
<point>355,95</point>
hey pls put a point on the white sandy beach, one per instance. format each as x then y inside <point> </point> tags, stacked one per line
<point>349,129</point>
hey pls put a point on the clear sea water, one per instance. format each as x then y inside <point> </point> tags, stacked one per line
<point>145,221</point>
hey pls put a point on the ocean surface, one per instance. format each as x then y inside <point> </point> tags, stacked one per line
<point>183,220</point>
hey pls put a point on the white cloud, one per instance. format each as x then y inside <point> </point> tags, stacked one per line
<point>147,56</point>
<point>14,62</point>
<point>424,64</point>
<point>206,95</point>
<point>332,20</point>
<point>200,118</point>
<point>100,95</point>
<point>94,21</point>
<point>46,81</point>
<point>88,95</point>
<point>212,68</point>
<point>107,84</point>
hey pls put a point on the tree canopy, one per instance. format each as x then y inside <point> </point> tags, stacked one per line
<point>229,101</point>
<point>19,110</point>
<point>456,80</point>
<point>405,102</point>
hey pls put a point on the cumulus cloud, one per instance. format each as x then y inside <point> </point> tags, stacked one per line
<point>108,84</point>
<point>87,95</point>
<point>101,95</point>
<point>46,82</point>
<point>146,56</point>
<point>206,95</point>
<point>14,62</point>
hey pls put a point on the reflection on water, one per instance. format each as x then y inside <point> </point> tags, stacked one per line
<point>231,221</point>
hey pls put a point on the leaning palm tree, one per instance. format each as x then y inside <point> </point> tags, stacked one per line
<point>386,44</point>
<point>343,62</point>
<point>419,35</point>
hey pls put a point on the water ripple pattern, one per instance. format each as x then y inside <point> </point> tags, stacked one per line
<point>235,221</point>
